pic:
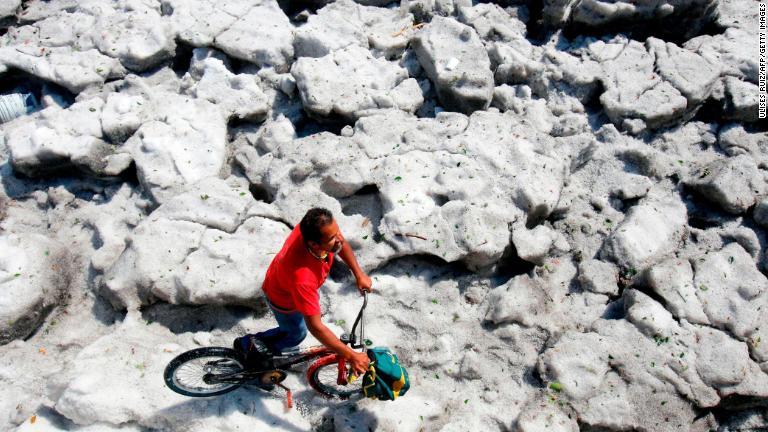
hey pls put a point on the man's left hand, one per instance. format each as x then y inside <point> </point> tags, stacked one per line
<point>364,283</point>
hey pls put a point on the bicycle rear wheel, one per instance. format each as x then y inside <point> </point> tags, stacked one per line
<point>323,375</point>
<point>193,373</point>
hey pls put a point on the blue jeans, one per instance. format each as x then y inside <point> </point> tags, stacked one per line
<point>291,330</point>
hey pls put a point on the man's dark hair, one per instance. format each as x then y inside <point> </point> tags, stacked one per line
<point>313,220</point>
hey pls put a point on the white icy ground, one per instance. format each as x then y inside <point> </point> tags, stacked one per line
<point>564,233</point>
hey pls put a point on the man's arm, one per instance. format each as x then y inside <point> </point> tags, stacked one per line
<point>322,333</point>
<point>346,254</point>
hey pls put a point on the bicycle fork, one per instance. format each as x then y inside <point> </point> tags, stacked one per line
<point>342,378</point>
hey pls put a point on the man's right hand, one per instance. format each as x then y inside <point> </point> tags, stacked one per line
<point>359,362</point>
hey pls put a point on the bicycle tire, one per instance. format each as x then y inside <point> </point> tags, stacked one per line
<point>322,376</point>
<point>195,364</point>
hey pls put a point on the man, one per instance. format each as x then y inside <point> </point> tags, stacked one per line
<point>294,277</point>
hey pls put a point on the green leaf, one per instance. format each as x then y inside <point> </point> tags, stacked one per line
<point>204,197</point>
<point>340,322</point>
<point>434,301</point>
<point>703,287</point>
<point>398,178</point>
<point>437,376</point>
<point>556,386</point>
<point>17,275</point>
<point>92,109</point>
<point>242,193</point>
<point>365,237</point>
<point>368,342</point>
<point>465,401</point>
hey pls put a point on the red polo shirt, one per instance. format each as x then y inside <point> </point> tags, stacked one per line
<point>294,276</point>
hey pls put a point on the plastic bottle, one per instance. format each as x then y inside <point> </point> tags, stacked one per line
<point>16,105</point>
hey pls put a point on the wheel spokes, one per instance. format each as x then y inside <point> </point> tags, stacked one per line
<point>330,378</point>
<point>191,374</point>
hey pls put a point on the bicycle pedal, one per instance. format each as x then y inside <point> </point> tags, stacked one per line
<point>288,395</point>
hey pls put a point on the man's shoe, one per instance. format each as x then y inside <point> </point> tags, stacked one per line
<point>253,352</point>
<point>240,345</point>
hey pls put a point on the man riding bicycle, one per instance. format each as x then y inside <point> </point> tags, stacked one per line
<point>292,281</point>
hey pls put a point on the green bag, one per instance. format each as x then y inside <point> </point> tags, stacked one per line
<point>386,379</point>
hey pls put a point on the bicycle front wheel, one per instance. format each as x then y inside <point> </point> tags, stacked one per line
<point>195,373</point>
<point>328,376</point>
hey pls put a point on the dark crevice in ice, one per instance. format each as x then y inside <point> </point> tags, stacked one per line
<point>182,318</point>
<point>293,7</point>
<point>729,404</point>
<point>82,185</point>
<point>623,205</point>
<point>614,310</point>
<point>307,126</point>
<point>535,29</point>
<point>239,66</point>
<point>260,193</point>
<point>102,309</point>
<point>440,199</point>
<point>536,216</point>
<point>711,111</point>
<point>510,265</point>
<point>236,125</point>
<point>182,59</point>
<point>678,27</point>
<point>130,175</point>
<point>584,427</point>
<point>427,267</point>
<point>366,202</point>
<point>741,419</point>
<point>703,214</point>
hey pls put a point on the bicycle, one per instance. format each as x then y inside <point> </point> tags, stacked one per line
<point>213,371</point>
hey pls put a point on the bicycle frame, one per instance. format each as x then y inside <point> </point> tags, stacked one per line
<point>280,362</point>
<point>289,359</point>
<point>301,356</point>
